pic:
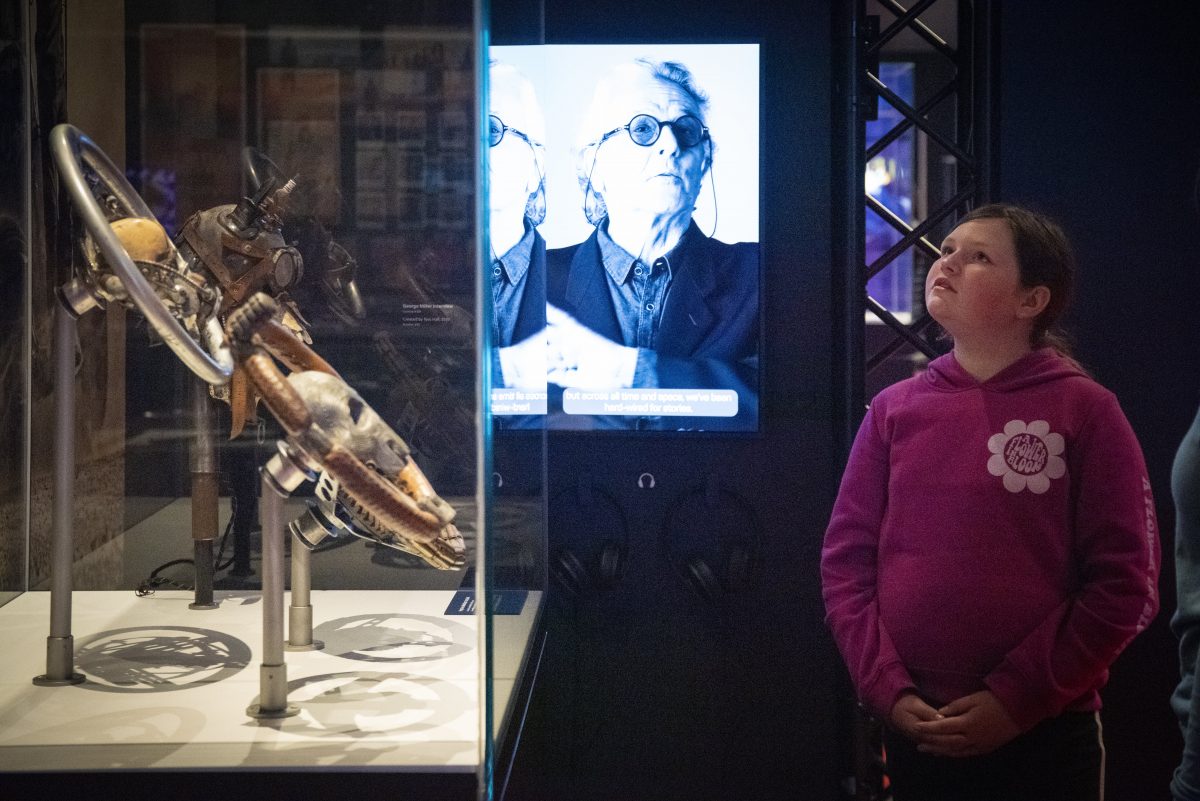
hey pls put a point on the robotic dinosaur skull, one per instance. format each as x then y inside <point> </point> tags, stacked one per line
<point>347,419</point>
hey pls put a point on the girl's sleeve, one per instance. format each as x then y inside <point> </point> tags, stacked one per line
<point>848,574</point>
<point>1117,548</point>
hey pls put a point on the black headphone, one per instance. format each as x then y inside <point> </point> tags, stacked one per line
<point>710,536</point>
<point>600,566</point>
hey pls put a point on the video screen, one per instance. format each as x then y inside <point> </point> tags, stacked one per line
<point>623,194</point>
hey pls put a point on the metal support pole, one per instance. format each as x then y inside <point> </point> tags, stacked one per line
<point>849,217</point>
<point>279,478</point>
<point>979,25</point>
<point>205,508</point>
<point>300,612</point>
<point>60,645</point>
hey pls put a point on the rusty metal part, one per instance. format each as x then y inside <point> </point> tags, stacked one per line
<point>280,397</point>
<point>417,486</point>
<point>204,506</point>
<point>283,345</point>
<point>260,259</point>
<point>447,552</point>
<point>384,506</point>
<point>404,512</point>
<point>243,400</point>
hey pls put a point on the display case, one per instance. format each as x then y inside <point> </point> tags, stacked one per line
<point>254,516</point>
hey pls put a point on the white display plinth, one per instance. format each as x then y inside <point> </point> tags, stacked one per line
<point>396,686</point>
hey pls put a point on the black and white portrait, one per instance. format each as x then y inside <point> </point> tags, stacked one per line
<point>651,230</point>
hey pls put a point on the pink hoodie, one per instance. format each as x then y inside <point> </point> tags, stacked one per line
<point>997,535</point>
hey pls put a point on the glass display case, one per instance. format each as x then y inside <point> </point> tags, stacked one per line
<point>254,512</point>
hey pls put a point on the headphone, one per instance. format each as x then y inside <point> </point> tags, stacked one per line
<point>599,566</point>
<point>710,536</point>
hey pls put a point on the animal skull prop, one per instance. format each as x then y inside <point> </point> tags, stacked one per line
<point>380,487</point>
<point>342,413</point>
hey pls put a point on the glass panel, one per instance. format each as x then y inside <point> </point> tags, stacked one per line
<point>329,160</point>
<point>514,289</point>
<point>361,137</point>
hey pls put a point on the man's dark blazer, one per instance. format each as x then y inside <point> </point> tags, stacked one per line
<point>531,318</point>
<point>711,313</point>
<point>709,334</point>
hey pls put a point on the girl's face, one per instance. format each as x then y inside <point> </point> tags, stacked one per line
<point>975,287</point>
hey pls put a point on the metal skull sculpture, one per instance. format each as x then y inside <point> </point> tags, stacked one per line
<point>379,487</point>
<point>342,413</point>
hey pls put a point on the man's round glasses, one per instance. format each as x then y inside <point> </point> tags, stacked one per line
<point>496,129</point>
<point>644,130</point>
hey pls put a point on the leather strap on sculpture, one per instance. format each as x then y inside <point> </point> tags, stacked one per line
<point>283,344</point>
<point>235,289</point>
<point>242,401</point>
<point>401,510</point>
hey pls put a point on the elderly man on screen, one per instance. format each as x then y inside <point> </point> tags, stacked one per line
<point>516,206</point>
<point>648,300</point>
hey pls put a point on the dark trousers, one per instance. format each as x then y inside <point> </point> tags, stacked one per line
<point>1060,759</point>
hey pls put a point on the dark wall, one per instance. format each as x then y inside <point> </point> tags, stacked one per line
<point>649,690</point>
<point>1098,128</point>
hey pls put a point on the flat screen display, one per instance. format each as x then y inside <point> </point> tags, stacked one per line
<point>623,196</point>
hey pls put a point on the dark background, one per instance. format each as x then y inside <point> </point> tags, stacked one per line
<point>1098,127</point>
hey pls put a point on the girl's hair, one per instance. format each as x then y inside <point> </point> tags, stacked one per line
<point>1044,258</point>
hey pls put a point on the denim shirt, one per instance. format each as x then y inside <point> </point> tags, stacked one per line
<point>508,281</point>
<point>639,294</point>
<point>1185,489</point>
<point>639,291</point>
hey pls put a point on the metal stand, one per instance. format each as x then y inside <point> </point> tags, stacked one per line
<point>282,474</point>
<point>205,503</point>
<point>300,611</point>
<point>60,645</point>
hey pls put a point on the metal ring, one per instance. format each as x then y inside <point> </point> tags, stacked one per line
<point>71,147</point>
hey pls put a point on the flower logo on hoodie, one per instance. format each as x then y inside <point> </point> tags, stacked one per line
<point>1027,455</point>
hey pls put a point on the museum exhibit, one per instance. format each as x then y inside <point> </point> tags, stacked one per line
<point>451,399</point>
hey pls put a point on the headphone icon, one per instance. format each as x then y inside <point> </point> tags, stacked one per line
<point>595,510</point>
<point>711,537</point>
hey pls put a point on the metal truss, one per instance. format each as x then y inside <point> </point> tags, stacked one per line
<point>957,119</point>
<point>967,144</point>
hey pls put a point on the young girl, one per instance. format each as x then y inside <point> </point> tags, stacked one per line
<point>993,546</point>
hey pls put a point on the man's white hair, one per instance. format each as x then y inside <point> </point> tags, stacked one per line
<point>509,88</point>
<point>597,120</point>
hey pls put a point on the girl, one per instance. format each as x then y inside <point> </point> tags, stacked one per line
<point>993,546</point>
